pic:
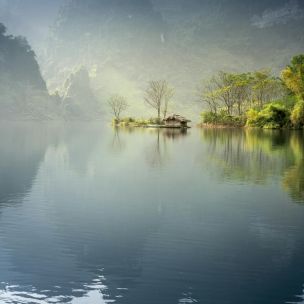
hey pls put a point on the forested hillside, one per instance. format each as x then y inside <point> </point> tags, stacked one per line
<point>23,90</point>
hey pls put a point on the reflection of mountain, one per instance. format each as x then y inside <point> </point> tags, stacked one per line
<point>258,155</point>
<point>102,224</point>
<point>22,148</point>
<point>74,182</point>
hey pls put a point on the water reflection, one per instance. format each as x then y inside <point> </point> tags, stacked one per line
<point>95,225</point>
<point>117,144</point>
<point>258,156</point>
<point>95,292</point>
<point>22,148</point>
<point>157,151</point>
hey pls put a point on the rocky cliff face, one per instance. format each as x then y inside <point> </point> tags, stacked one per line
<point>23,90</point>
<point>78,100</point>
<point>24,94</point>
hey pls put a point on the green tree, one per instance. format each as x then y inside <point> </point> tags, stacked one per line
<point>293,76</point>
<point>265,87</point>
<point>223,90</point>
<point>272,116</point>
<point>297,114</point>
<point>241,90</point>
<point>207,95</point>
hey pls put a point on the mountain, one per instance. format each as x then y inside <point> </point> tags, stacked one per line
<point>23,90</point>
<point>24,94</point>
<point>78,100</point>
<point>124,44</point>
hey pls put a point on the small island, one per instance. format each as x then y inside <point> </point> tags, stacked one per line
<point>173,121</point>
<point>158,96</point>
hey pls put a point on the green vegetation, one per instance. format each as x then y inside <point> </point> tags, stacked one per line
<point>272,116</point>
<point>135,122</point>
<point>223,119</point>
<point>256,99</point>
<point>255,155</point>
<point>297,114</point>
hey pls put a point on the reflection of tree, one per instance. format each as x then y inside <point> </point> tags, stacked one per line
<point>293,180</point>
<point>174,133</point>
<point>117,145</point>
<point>255,155</point>
<point>158,154</point>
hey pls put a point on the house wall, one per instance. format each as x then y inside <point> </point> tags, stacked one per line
<point>173,123</point>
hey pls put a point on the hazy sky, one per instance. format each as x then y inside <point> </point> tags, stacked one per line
<point>32,18</point>
<point>125,43</point>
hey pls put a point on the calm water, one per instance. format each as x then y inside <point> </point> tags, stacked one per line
<point>93,215</point>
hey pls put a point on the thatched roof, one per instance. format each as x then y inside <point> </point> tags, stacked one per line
<point>176,117</point>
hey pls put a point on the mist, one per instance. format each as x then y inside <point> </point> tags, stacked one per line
<point>119,46</point>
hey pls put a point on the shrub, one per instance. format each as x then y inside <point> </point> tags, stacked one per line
<point>297,114</point>
<point>115,121</point>
<point>209,117</point>
<point>252,116</point>
<point>272,116</point>
<point>155,121</point>
<point>223,118</point>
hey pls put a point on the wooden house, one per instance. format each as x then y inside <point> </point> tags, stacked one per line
<point>176,121</point>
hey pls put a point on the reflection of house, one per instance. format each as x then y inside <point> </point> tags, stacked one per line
<point>176,121</point>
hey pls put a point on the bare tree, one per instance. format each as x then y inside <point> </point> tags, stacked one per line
<point>167,98</point>
<point>118,104</point>
<point>158,95</point>
<point>206,94</point>
<point>223,82</point>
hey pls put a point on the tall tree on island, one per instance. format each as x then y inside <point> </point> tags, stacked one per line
<point>158,96</point>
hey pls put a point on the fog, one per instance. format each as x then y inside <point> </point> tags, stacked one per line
<point>124,44</point>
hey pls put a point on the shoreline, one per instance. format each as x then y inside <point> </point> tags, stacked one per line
<point>150,126</point>
<point>211,126</point>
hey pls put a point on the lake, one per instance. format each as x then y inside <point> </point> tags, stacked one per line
<point>91,214</point>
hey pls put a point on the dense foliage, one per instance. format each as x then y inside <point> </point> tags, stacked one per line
<point>223,119</point>
<point>297,114</point>
<point>256,99</point>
